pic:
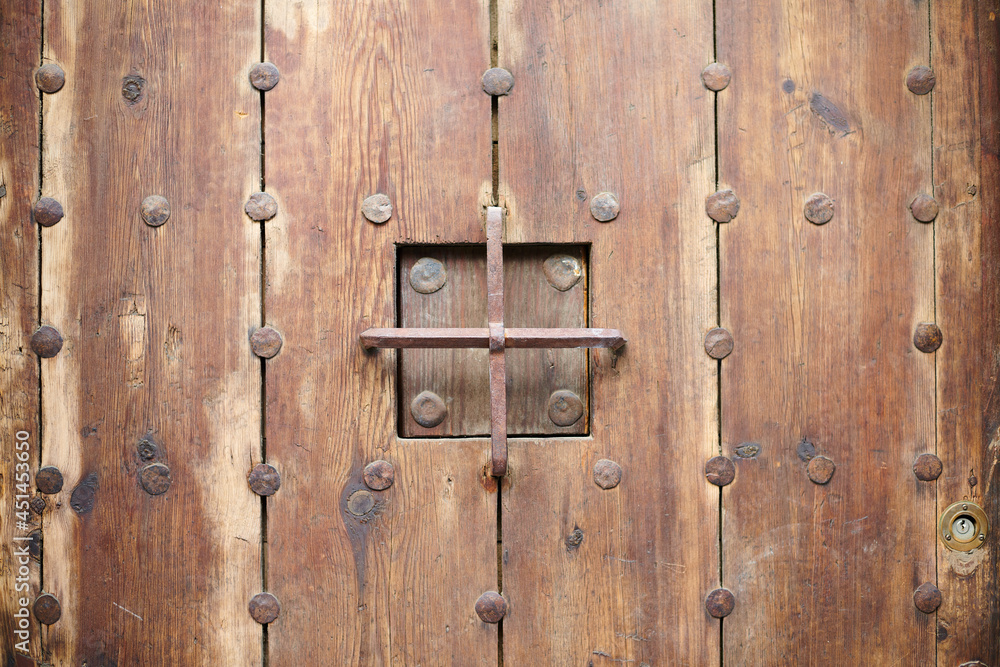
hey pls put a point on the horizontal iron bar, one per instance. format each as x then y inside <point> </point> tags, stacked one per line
<point>513,338</point>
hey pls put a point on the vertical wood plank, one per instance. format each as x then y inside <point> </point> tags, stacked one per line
<point>20,28</point>
<point>608,97</point>
<point>155,322</point>
<point>375,97</point>
<point>823,319</point>
<point>967,440</point>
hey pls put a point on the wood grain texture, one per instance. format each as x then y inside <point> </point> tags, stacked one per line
<point>375,97</point>
<point>461,377</point>
<point>156,323</point>
<point>608,97</point>
<point>823,319</point>
<point>966,109</point>
<point>20,36</point>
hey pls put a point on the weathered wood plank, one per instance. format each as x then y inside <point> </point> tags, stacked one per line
<point>20,37</point>
<point>608,97</point>
<point>375,97</point>
<point>823,318</point>
<point>968,625</point>
<point>155,322</point>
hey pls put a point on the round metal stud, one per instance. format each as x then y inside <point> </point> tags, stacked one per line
<point>920,80</point>
<point>562,271</point>
<point>50,78</point>
<point>155,210</point>
<point>820,469</point>
<point>47,211</point>
<point>264,76</point>
<point>261,207</point>
<point>716,77</point>
<point>379,475</point>
<point>265,342</point>
<point>49,480</point>
<point>720,602</point>
<point>607,474</point>
<point>360,503</point>
<point>927,337</point>
<point>377,208</point>
<point>155,479</point>
<point>46,342</point>
<point>264,480</point>
<point>927,598</point>
<point>818,209</point>
<point>428,409</point>
<point>722,206</point>
<point>428,275</point>
<point>565,408</point>
<point>264,608</point>
<point>491,607</point>
<point>718,343</point>
<point>924,208</point>
<point>927,467</point>
<point>497,81</point>
<point>47,609</point>
<point>604,207</point>
<point>720,470</point>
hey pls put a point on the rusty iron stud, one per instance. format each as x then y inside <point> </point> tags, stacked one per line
<point>155,210</point>
<point>607,474</point>
<point>132,87</point>
<point>720,470</point>
<point>428,275</point>
<point>722,206</point>
<point>565,408</point>
<point>716,76</point>
<point>562,271</point>
<point>265,342</point>
<point>497,81</point>
<point>927,598</point>
<point>147,449</point>
<point>47,609</point>
<point>574,539</point>
<point>37,504</point>
<point>47,211</point>
<point>261,207</point>
<point>491,607</point>
<point>46,342</point>
<point>820,469</point>
<point>819,208</point>
<point>718,343</point>
<point>720,602</point>
<point>428,409</point>
<point>924,208</point>
<point>264,608</point>
<point>927,467</point>
<point>748,450</point>
<point>604,207</point>
<point>155,479</point>
<point>927,337</point>
<point>379,475</point>
<point>920,80</point>
<point>49,480</point>
<point>377,208</point>
<point>50,78</point>
<point>360,503</point>
<point>264,480</point>
<point>264,76</point>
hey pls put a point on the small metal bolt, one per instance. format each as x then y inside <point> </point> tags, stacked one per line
<point>927,467</point>
<point>155,479</point>
<point>428,275</point>
<point>720,470</point>
<point>921,80</point>
<point>50,78</point>
<point>264,608</point>
<point>49,480</point>
<point>497,81</point>
<point>132,87</point>
<point>718,343</point>
<point>47,211</point>
<point>562,271</point>
<point>748,450</point>
<point>379,475</point>
<point>46,342</point>
<point>360,503</point>
<point>927,598</point>
<point>428,409</point>
<point>264,480</point>
<point>38,504</point>
<point>720,602</point>
<point>948,536</point>
<point>491,607</point>
<point>155,210</point>
<point>377,208</point>
<point>982,537</point>
<point>722,206</point>
<point>607,474</point>
<point>819,208</point>
<point>927,337</point>
<point>565,408</point>
<point>716,77</point>
<point>820,469</point>
<point>924,208</point>
<point>265,342</point>
<point>604,207</point>
<point>261,207</point>
<point>47,609</point>
<point>264,76</point>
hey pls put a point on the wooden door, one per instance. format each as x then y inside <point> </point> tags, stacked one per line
<point>789,209</point>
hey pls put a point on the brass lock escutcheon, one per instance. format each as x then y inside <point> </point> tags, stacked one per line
<point>963,526</point>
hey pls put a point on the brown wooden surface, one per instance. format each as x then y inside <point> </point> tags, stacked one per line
<point>608,98</point>
<point>375,97</point>
<point>461,377</point>
<point>823,320</point>
<point>20,26</point>
<point>156,324</point>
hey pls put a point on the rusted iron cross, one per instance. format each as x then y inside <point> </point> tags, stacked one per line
<point>496,338</point>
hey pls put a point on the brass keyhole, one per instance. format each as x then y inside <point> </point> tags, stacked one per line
<point>963,526</point>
